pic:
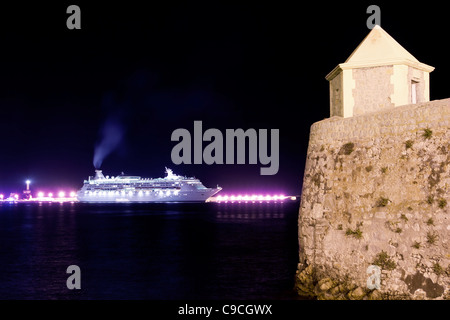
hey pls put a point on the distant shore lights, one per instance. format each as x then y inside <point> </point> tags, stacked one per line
<point>61,196</point>
<point>251,198</point>
<point>41,196</point>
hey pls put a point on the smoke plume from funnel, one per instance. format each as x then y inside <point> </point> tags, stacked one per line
<point>111,135</point>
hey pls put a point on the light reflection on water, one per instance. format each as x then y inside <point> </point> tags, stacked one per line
<point>149,251</point>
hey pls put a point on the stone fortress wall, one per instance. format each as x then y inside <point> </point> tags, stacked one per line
<point>376,191</point>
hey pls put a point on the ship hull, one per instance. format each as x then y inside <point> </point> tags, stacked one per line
<point>124,198</point>
<point>172,188</point>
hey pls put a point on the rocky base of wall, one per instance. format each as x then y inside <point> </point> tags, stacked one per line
<point>310,285</point>
<point>307,285</point>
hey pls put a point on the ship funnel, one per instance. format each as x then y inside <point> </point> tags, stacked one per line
<point>99,174</point>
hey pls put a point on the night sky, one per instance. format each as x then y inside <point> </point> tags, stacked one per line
<point>156,68</point>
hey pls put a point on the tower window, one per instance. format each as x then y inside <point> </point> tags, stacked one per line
<point>414,91</point>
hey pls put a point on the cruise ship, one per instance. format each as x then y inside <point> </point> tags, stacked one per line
<point>123,188</point>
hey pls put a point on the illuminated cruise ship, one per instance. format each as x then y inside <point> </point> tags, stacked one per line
<point>171,188</point>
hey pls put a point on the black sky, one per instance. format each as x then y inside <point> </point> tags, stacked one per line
<point>161,67</point>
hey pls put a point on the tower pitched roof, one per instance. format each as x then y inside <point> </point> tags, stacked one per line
<point>379,46</point>
<point>377,49</point>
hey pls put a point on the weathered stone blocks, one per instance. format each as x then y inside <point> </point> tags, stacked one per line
<point>365,192</point>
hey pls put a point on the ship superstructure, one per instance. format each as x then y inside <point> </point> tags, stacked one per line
<point>123,188</point>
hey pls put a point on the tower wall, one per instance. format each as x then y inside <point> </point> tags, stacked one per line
<point>373,89</point>
<point>362,90</point>
<point>336,96</point>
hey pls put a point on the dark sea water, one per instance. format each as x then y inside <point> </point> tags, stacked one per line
<point>149,251</point>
